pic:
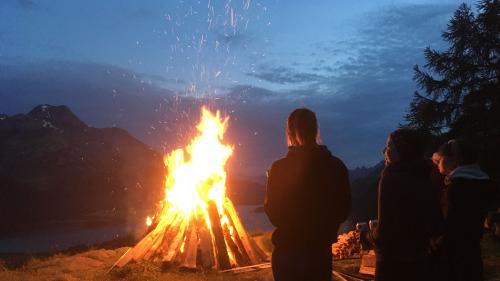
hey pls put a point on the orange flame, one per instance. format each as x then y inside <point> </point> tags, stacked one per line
<point>196,185</point>
<point>194,180</point>
<point>149,221</point>
<point>196,173</point>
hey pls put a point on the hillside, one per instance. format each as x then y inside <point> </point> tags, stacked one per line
<point>54,168</point>
<point>364,195</point>
<point>243,191</point>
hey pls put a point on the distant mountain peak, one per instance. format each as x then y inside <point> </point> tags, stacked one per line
<point>67,174</point>
<point>57,117</point>
<point>361,172</point>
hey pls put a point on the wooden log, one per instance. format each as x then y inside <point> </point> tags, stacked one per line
<point>338,276</point>
<point>245,238</point>
<point>237,239</point>
<point>135,251</point>
<point>123,260</point>
<point>242,269</point>
<point>140,248</point>
<point>166,224</point>
<point>206,247</point>
<point>160,214</point>
<point>220,245</point>
<point>145,247</point>
<point>155,236</point>
<point>238,257</point>
<point>262,256</point>
<point>170,233</point>
<point>190,246</point>
<point>174,248</point>
<point>180,253</point>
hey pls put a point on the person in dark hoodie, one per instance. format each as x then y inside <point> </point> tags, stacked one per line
<point>408,210</point>
<point>468,196</point>
<point>308,197</point>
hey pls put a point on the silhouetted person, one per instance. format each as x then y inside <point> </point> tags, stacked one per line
<point>308,197</point>
<point>469,194</point>
<point>408,210</point>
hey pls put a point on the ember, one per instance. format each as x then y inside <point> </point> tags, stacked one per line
<point>198,225</point>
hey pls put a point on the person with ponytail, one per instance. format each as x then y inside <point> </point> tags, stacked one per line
<point>308,197</point>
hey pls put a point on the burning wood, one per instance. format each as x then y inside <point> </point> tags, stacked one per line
<point>198,225</point>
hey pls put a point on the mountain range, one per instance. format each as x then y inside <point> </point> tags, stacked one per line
<point>53,168</point>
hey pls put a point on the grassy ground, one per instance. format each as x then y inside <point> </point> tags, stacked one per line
<point>94,264</point>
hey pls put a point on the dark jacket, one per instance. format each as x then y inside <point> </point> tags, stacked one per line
<point>469,195</point>
<point>408,211</point>
<point>308,197</point>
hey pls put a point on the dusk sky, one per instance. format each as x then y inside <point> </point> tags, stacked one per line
<point>148,66</point>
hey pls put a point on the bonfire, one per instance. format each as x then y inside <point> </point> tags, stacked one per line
<point>198,226</point>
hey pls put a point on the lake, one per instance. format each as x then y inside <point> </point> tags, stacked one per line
<point>60,239</point>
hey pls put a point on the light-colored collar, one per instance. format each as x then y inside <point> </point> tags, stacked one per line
<point>472,171</point>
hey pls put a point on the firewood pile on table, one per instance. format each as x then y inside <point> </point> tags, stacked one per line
<point>347,246</point>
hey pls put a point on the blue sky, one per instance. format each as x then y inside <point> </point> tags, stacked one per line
<point>147,66</point>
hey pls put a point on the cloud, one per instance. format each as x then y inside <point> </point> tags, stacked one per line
<point>162,79</point>
<point>354,127</point>
<point>245,92</point>
<point>359,86</point>
<point>285,75</point>
<point>389,42</point>
<point>360,96</point>
<point>385,46</point>
<point>363,84</point>
<point>142,13</point>
<point>27,4</point>
<point>104,95</point>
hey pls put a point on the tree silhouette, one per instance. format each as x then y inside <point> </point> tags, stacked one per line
<point>461,83</point>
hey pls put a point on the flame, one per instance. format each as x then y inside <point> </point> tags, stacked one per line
<point>149,221</point>
<point>196,174</point>
<point>196,206</point>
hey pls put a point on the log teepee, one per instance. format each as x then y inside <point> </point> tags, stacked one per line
<point>198,226</point>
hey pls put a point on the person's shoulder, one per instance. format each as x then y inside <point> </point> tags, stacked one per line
<point>470,181</point>
<point>336,161</point>
<point>279,164</point>
<point>389,173</point>
<point>467,183</point>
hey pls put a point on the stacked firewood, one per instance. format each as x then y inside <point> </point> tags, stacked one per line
<point>2,266</point>
<point>347,246</point>
<point>190,241</point>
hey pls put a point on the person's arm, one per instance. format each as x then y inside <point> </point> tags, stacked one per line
<point>435,209</point>
<point>274,201</point>
<point>342,196</point>
<point>455,199</point>
<point>387,210</point>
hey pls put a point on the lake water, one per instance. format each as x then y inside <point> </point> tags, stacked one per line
<point>61,239</point>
